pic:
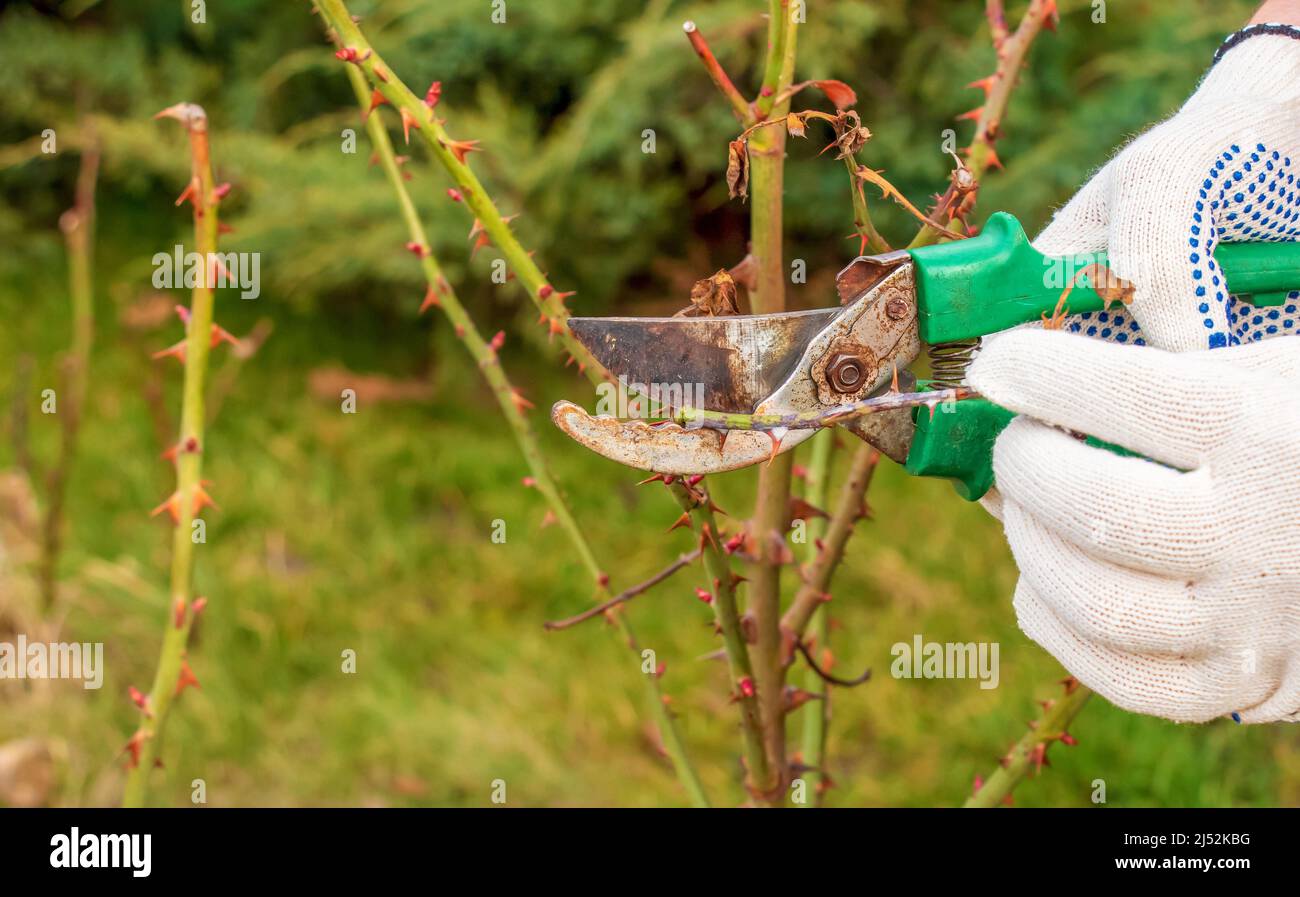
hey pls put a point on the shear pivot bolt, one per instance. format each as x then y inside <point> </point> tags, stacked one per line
<point>845,373</point>
<point>896,309</point>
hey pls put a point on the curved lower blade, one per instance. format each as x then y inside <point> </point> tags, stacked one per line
<point>669,448</point>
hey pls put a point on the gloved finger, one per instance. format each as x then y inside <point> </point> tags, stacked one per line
<point>1115,606</point>
<point>1166,687</point>
<point>1170,407</point>
<point>1283,704</point>
<point>1124,510</point>
<point>1080,226</point>
<point>1276,358</point>
<point>1162,233</point>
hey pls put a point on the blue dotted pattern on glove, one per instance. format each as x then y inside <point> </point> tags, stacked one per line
<point>1247,196</point>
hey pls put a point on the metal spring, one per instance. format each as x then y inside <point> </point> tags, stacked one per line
<point>949,361</point>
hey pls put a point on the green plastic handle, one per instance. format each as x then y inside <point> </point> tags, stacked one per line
<point>996,280</point>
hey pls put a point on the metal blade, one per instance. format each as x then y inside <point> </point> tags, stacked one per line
<point>724,364</point>
<point>669,448</point>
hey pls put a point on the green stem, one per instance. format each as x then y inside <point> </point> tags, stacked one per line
<point>817,717</point>
<point>474,196</point>
<point>722,583</point>
<point>78,225</point>
<point>767,173</point>
<point>189,462</point>
<point>1029,752</point>
<point>848,510</point>
<point>507,397</point>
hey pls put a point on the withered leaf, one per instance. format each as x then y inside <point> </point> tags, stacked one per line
<point>839,93</point>
<point>850,135</point>
<point>712,297</point>
<point>795,125</point>
<point>737,170</point>
<point>1109,285</point>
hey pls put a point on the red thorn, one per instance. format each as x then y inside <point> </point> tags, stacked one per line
<point>172,506</point>
<point>191,190</point>
<point>377,99</point>
<point>408,121</point>
<point>603,580</point>
<point>545,291</point>
<point>201,499</point>
<point>684,520</point>
<point>433,94</point>
<point>186,678</point>
<point>430,300</point>
<point>380,74</point>
<point>222,335</point>
<point>529,482</point>
<point>694,479</point>
<point>417,249</point>
<point>993,160</point>
<point>223,228</point>
<point>350,54</point>
<point>454,194</point>
<point>732,545</point>
<point>498,341</point>
<point>521,404</point>
<point>973,115</point>
<point>1068,740</point>
<point>176,351</point>
<point>220,192</point>
<point>133,748</point>
<point>462,148</point>
<point>178,613</point>
<point>984,84</point>
<point>199,605</point>
<point>139,699</point>
<point>746,686</point>
<point>704,595</point>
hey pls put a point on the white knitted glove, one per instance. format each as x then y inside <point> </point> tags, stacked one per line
<point>1223,168</point>
<point>1168,592</point>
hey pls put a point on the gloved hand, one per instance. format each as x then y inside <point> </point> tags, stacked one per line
<point>1174,592</point>
<point>1171,593</point>
<point>1225,167</point>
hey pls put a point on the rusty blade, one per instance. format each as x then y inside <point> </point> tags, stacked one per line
<point>724,364</point>
<point>668,448</point>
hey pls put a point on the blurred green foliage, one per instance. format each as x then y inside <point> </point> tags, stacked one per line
<point>373,537</point>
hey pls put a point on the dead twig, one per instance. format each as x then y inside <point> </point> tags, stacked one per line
<point>626,595</point>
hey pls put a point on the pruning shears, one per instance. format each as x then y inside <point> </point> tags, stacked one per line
<point>940,298</point>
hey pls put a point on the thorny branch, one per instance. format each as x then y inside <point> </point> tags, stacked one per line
<point>850,508</point>
<point>173,673</point>
<point>420,115</point>
<point>778,424</point>
<point>440,294</point>
<point>1012,50</point>
<point>1029,754</point>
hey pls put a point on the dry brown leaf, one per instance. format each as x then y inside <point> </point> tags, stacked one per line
<point>737,170</point>
<point>795,125</point>
<point>712,297</point>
